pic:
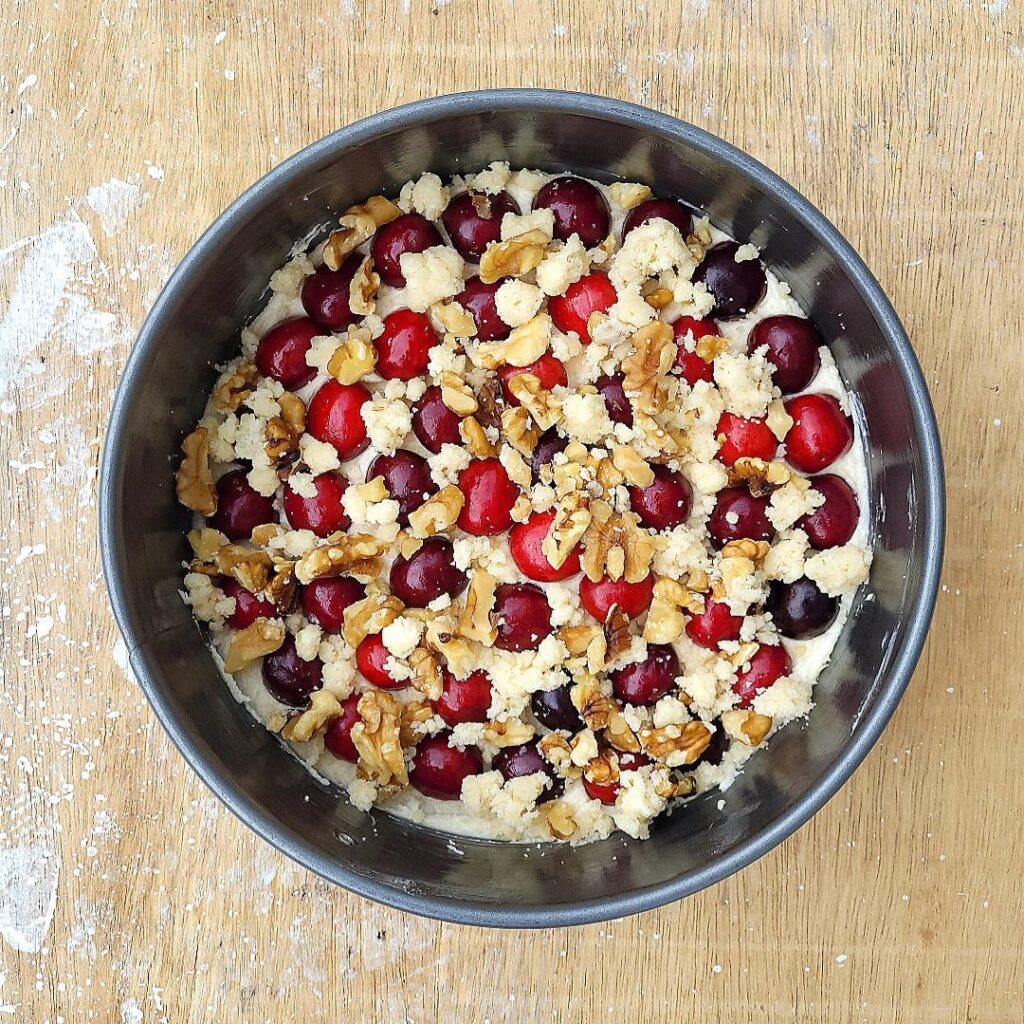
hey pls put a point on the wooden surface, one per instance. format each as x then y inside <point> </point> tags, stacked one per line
<point>126,126</point>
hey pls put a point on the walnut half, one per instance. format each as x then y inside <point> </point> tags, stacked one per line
<point>193,482</point>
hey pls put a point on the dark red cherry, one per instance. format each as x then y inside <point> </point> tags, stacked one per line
<point>439,770</point>
<point>323,514</point>
<point>768,664</point>
<point>324,601</point>
<point>690,365</point>
<point>372,659</point>
<point>408,233</point>
<point>715,750</point>
<point>793,345</point>
<point>633,598</point>
<point>407,478</point>
<point>525,542</point>
<point>464,700</point>
<point>427,573</point>
<point>403,349</point>
<point>592,293</point>
<point>289,678</point>
<point>490,495</point>
<point>548,370</point>
<point>281,353</point>
<point>433,422</point>
<point>338,736</point>
<point>744,439</point>
<point>821,432</point>
<point>671,210</point>
<point>526,759</point>
<point>523,616</point>
<point>579,209</point>
<point>615,401</point>
<point>335,417</point>
<point>240,507</point>
<point>666,502</point>
<point>325,294</point>
<point>832,524</point>
<point>800,610</point>
<point>738,514</point>
<point>646,682</point>
<point>713,625</point>
<point>549,444</point>
<point>479,300</point>
<point>248,607</point>
<point>473,221</point>
<point>736,287</point>
<point>555,709</point>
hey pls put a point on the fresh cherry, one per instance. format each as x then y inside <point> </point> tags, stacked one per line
<point>407,478</point>
<point>715,750</point>
<point>338,735</point>
<point>526,759</point>
<point>289,678</point>
<point>433,422</point>
<point>646,682</point>
<point>439,770</point>
<point>690,365</point>
<point>548,370</point>
<point>833,523</point>
<point>408,233</point>
<point>334,416</point>
<point>555,709</point>
<point>523,616</point>
<point>324,601</point>
<point>665,503</point>
<point>325,294</point>
<point>607,792</point>
<point>633,598</point>
<point>671,210</point>
<point>525,542</point>
<point>248,607</point>
<point>615,401</point>
<point>464,700</point>
<point>323,514</point>
<point>240,507</point>
<point>767,664</point>
<point>736,287</point>
<point>478,299</point>
<point>793,345</point>
<point>737,515</point>
<point>549,444</point>
<point>713,625</point>
<point>821,432</point>
<point>403,349</point>
<point>427,573</point>
<point>372,658</point>
<point>579,209</point>
<point>800,610</point>
<point>473,221</point>
<point>490,495</point>
<point>281,352</point>
<point>592,293</point>
<point>744,439</point>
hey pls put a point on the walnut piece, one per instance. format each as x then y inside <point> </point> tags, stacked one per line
<point>357,226</point>
<point>669,787</point>
<point>282,588</point>
<point>454,318</point>
<point>377,739</point>
<point>615,546</point>
<point>572,519</point>
<point>354,554</point>
<point>457,395</point>
<point>323,707</point>
<point>760,477</point>
<point>514,257</point>
<point>282,444</point>
<point>262,637</point>
<point>746,726</point>
<point>555,749</point>
<point>708,348</point>
<point>603,770</point>
<point>476,439</point>
<point>628,194</point>
<point>354,358</point>
<point>752,550</point>
<point>542,405</point>
<point>362,289</point>
<point>490,399</point>
<point>645,368</point>
<point>426,673</point>
<point>415,716</point>
<point>518,428</point>
<point>620,735</point>
<point>249,566</point>
<point>560,820</point>
<point>293,411</point>
<point>509,733</point>
<point>633,468</point>
<point>475,622</point>
<point>665,620</point>
<point>205,543</point>
<point>193,483</point>
<point>438,513</point>
<point>778,420</point>
<point>235,387</point>
<point>595,707</point>
<point>368,616</point>
<point>676,745</point>
<point>525,345</point>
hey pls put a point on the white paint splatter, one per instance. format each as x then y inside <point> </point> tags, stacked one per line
<point>28,896</point>
<point>219,38</point>
<point>114,202</point>
<point>559,30</point>
<point>841,959</point>
<point>27,84</point>
<point>229,74</point>
<point>1017,51</point>
<point>155,172</point>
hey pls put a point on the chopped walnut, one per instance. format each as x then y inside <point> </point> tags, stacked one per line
<point>603,770</point>
<point>354,554</point>
<point>513,258</point>
<point>509,733</point>
<point>595,707</point>
<point>368,616</point>
<point>541,404</point>
<point>205,543</point>
<point>193,483</point>
<point>264,636</point>
<point>743,654</point>
<point>263,534</point>
<point>293,411</point>
<point>357,226</point>
<point>248,566</point>
<point>490,401</point>
<point>669,787</point>
<point>426,673</point>
<point>620,735</point>
<point>560,820</point>
<point>676,745</point>
<point>323,708</point>
<point>438,513</point>
<point>615,546</point>
<point>415,716</point>
<point>282,445</point>
<point>656,296</point>
<point>628,194</point>
<point>555,749</point>
<point>475,438</point>
<point>645,368</point>
<point>753,550</point>
<point>282,588</point>
<point>746,726</point>
<point>354,358</point>
<point>633,468</point>
<point>234,388</point>
<point>665,620</point>
<point>760,477</point>
<point>454,318</point>
<point>616,632</point>
<point>525,345</point>
<point>377,739</point>
<point>710,347</point>
<point>362,289</point>
<point>475,622</point>
<point>572,519</point>
<point>457,395</point>
<point>778,420</point>
<point>518,428</point>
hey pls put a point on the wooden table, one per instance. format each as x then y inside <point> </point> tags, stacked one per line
<point>127,125</point>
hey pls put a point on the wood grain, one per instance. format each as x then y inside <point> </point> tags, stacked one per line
<point>901,901</point>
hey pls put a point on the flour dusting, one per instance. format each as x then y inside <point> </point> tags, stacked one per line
<point>114,202</point>
<point>28,896</point>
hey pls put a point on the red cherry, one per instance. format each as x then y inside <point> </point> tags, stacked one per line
<point>690,365</point>
<point>767,664</point>
<point>671,210</point>
<point>525,541</point>
<point>281,353</point>
<point>713,625</point>
<point>833,523</point>
<point>338,737</point>
<point>479,301</point>
<point>433,422</point>
<point>821,432</point>
<point>607,793</point>
<point>324,601</point>
<point>665,503</point>
<point>371,660</point>
<point>473,221</point>
<point>548,370</point>
<point>325,294</point>
<point>523,616</point>
<point>579,209</point>
<point>490,495</point>
<point>323,514</point>
<point>523,760</point>
<point>248,607</point>
<point>439,770</point>
<point>549,444</point>
<point>464,700</point>
<point>646,682</point>
<point>737,515</point>
<point>592,293</point>
<point>615,401</point>
<point>736,287</point>
<point>240,507</point>
<point>408,233</point>
<point>632,598</point>
<point>403,349</point>
<point>427,573</point>
<point>408,480</point>
<point>334,416</point>
<point>793,345</point>
<point>289,678</point>
<point>744,439</point>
